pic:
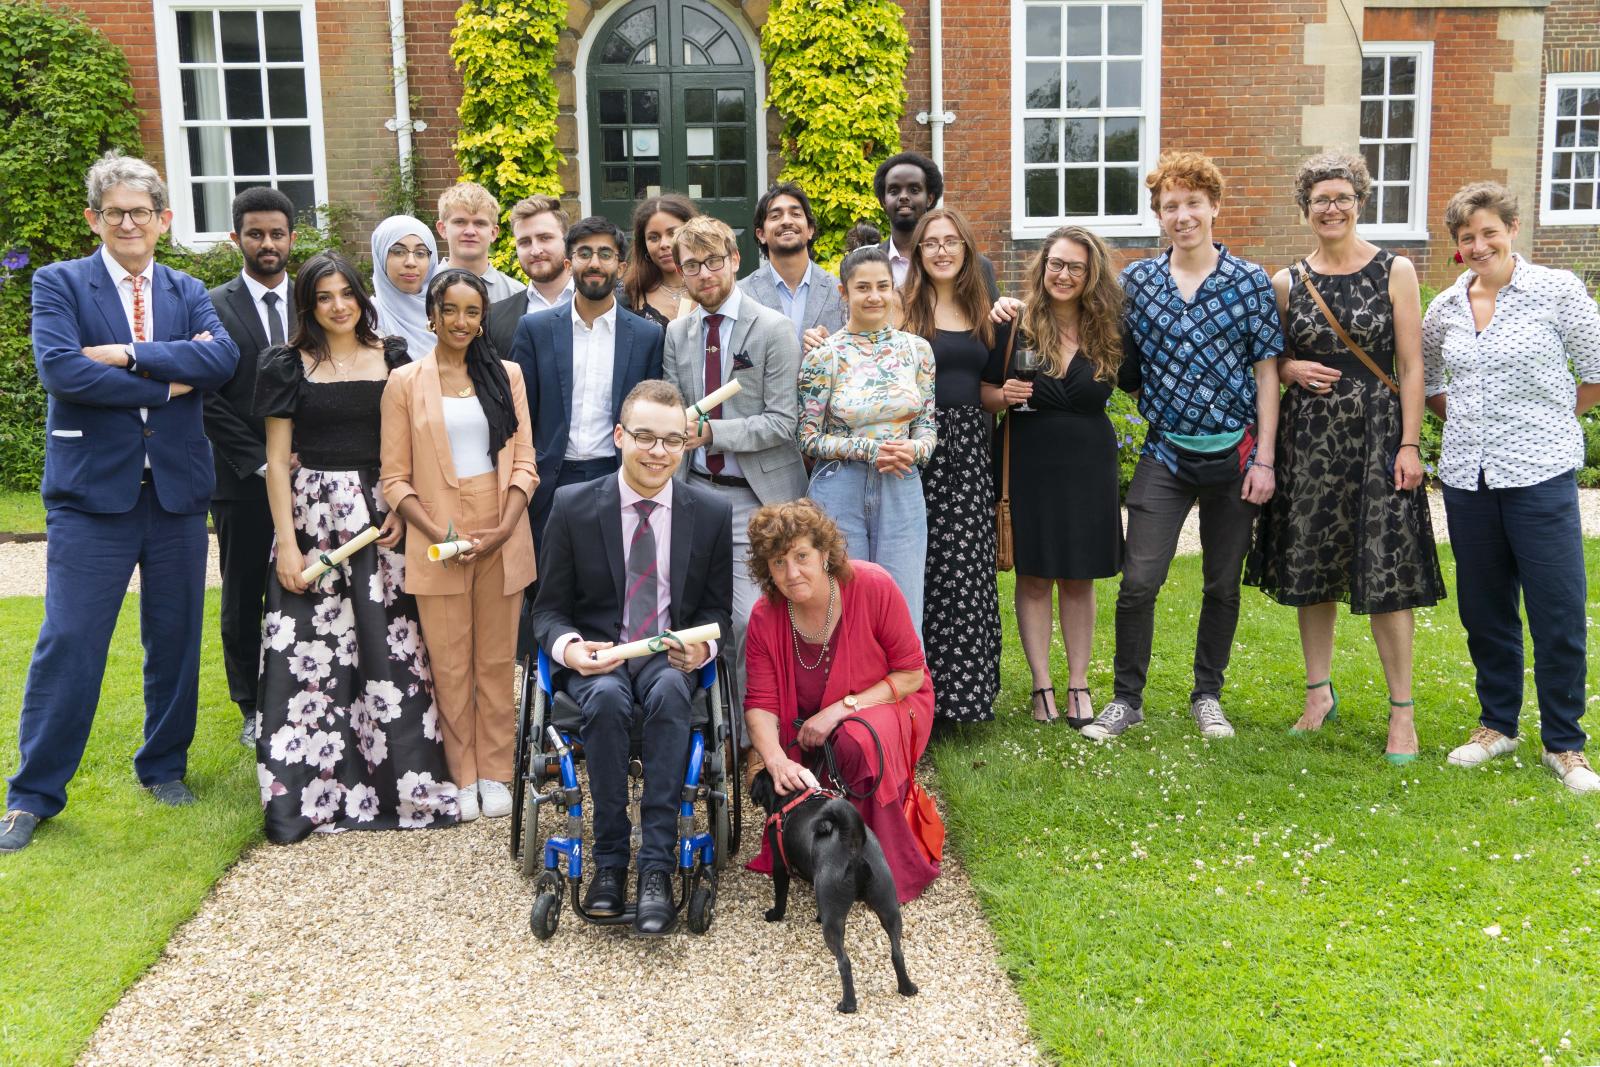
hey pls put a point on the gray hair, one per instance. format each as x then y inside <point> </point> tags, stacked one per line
<point>1327,167</point>
<point>114,168</point>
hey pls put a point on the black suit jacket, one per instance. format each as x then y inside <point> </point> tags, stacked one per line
<point>503,318</point>
<point>238,438</point>
<point>581,577</point>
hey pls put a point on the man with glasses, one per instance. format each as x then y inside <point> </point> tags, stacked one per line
<point>744,449</point>
<point>578,361</point>
<point>631,556</point>
<point>126,349</point>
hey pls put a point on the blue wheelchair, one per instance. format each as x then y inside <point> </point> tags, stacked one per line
<point>546,775</point>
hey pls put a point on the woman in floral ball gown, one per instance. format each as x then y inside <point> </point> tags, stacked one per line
<point>348,735</point>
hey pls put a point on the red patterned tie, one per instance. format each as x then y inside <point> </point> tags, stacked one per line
<point>138,308</point>
<point>714,462</point>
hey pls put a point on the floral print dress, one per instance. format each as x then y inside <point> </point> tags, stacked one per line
<point>348,734</point>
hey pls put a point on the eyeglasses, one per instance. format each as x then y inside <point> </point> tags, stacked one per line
<point>402,252</point>
<point>604,255</point>
<point>933,246</point>
<point>1326,203</point>
<point>1072,270</point>
<point>647,440</point>
<point>141,216</point>
<point>691,267</point>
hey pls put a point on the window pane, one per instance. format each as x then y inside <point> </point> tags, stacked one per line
<point>1369,210</point>
<point>1124,31</point>
<point>1083,192</point>
<point>643,179</point>
<point>1371,119</point>
<point>1083,31</point>
<point>1401,118</point>
<point>1043,31</point>
<point>208,151</point>
<point>1402,75</point>
<point>1583,165</point>
<point>1082,137</point>
<point>1122,141</point>
<point>287,91</point>
<point>1560,196</point>
<point>1372,76</point>
<point>731,180</point>
<point>1371,155</point>
<point>239,37</point>
<point>1044,85</point>
<point>646,107</point>
<point>1566,102</point>
<point>1563,164</point>
<point>244,93</point>
<point>1566,133</point>
<point>1590,104</point>
<point>1041,193</point>
<point>293,145</point>
<point>1397,163</point>
<point>1582,196</point>
<point>724,52</point>
<point>644,143</point>
<point>250,150</point>
<point>614,183</point>
<point>698,105</point>
<point>730,105</point>
<point>698,26</point>
<point>196,37</point>
<point>702,181</point>
<point>613,106</point>
<point>1041,142</point>
<point>212,202</point>
<point>1122,190</point>
<point>636,30</point>
<point>282,30</point>
<point>1122,84</point>
<point>730,142</point>
<point>1588,133</point>
<point>201,99</point>
<point>1396,205</point>
<point>613,146</point>
<point>303,195</point>
<point>1083,84</point>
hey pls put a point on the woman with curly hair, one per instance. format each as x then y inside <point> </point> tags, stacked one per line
<point>651,285</point>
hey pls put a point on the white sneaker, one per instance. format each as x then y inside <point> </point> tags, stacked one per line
<point>496,798</point>
<point>1574,771</point>
<point>1207,712</point>
<point>467,803</point>
<point>1484,745</point>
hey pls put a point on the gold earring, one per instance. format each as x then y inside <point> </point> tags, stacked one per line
<point>480,330</point>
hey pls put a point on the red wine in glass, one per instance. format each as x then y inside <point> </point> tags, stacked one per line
<point>1028,363</point>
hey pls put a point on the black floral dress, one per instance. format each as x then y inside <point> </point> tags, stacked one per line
<point>1336,528</point>
<point>348,735</point>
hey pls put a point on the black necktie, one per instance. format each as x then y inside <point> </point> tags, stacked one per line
<point>274,322</point>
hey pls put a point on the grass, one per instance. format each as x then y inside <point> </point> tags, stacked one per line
<point>92,903</point>
<point>21,512</point>
<point>1277,900</point>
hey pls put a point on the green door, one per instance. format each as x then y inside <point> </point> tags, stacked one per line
<point>672,108</point>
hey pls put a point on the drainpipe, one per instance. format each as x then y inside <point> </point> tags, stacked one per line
<point>936,117</point>
<point>402,124</point>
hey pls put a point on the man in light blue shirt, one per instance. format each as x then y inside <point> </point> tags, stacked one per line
<point>791,283</point>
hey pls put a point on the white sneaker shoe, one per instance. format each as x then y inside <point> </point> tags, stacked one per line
<point>1207,712</point>
<point>467,803</point>
<point>496,798</point>
<point>1574,771</point>
<point>1484,745</point>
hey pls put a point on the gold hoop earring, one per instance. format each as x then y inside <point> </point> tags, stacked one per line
<point>480,331</point>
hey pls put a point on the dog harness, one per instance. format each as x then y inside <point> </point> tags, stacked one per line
<point>776,818</point>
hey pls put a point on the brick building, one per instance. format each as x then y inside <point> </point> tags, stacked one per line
<point>1057,108</point>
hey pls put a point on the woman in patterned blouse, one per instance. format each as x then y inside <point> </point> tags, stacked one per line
<point>867,417</point>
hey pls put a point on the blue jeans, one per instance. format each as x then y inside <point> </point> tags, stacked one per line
<point>883,519</point>
<point>1526,541</point>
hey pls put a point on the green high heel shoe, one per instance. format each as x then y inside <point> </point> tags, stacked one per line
<point>1333,712</point>
<point>1400,759</point>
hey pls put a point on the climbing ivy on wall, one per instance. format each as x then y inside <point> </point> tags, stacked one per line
<point>836,73</point>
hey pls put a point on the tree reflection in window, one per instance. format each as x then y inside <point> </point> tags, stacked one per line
<point>633,42</point>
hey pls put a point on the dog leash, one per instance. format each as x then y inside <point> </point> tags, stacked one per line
<point>833,763</point>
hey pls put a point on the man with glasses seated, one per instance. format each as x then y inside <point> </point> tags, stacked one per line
<point>631,556</point>
<point>578,361</point>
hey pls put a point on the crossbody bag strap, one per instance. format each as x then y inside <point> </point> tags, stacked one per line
<point>1338,330</point>
<point>1005,446</point>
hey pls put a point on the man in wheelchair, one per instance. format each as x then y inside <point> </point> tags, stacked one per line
<point>626,557</point>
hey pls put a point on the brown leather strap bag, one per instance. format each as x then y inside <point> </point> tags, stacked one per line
<point>1338,330</point>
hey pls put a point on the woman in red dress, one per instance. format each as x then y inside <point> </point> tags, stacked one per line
<point>832,656</point>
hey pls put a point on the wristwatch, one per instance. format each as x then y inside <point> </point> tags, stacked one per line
<point>133,362</point>
<point>850,703</point>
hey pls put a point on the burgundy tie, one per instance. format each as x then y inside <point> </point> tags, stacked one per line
<point>714,462</point>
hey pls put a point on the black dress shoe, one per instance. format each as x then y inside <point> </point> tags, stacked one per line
<point>654,915</point>
<point>172,794</point>
<point>606,893</point>
<point>247,734</point>
<point>16,830</point>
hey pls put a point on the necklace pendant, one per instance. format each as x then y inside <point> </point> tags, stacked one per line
<point>464,393</point>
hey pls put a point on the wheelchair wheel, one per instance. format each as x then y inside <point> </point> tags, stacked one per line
<point>702,908</point>
<point>521,760</point>
<point>546,915</point>
<point>531,844</point>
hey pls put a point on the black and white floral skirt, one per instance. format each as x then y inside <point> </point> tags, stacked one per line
<point>348,735</point>
<point>961,609</point>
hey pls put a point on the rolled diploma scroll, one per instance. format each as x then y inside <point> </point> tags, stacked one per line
<point>694,635</point>
<point>447,550</point>
<point>340,554</point>
<point>695,412</point>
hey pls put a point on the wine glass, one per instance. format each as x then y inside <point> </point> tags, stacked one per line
<point>1029,360</point>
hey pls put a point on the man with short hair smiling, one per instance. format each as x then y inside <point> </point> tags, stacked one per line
<point>785,230</point>
<point>908,186</point>
<point>469,221</point>
<point>630,556</point>
<point>539,235</point>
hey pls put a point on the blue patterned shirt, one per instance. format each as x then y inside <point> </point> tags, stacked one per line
<point>1195,360</point>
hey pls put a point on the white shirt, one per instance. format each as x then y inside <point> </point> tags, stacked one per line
<point>594,354</point>
<point>257,291</point>
<point>537,302</point>
<point>730,316</point>
<point>898,264</point>
<point>122,279</point>
<point>1510,388</point>
<point>468,430</point>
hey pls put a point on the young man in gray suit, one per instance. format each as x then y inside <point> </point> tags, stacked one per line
<point>791,283</point>
<point>745,450</point>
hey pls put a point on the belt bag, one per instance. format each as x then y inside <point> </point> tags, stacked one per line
<point>1212,468</point>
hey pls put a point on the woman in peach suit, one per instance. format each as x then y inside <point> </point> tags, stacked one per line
<point>458,464</point>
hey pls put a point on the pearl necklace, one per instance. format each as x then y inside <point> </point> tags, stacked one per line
<point>827,627</point>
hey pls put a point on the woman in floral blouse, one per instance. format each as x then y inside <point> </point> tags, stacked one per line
<point>867,418</point>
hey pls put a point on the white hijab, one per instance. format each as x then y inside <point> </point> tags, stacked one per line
<point>402,314</point>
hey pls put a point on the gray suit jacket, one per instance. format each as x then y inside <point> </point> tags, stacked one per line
<point>758,425</point>
<point>824,305</point>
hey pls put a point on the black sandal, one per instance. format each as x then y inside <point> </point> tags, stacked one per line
<point>1045,705</point>
<point>1078,722</point>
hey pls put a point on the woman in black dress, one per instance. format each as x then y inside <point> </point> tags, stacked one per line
<point>1349,520</point>
<point>947,304</point>
<point>1065,518</point>
<point>348,735</point>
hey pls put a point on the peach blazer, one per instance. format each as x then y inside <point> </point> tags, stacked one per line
<point>417,462</point>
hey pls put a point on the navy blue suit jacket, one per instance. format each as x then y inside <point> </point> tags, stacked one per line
<point>95,443</point>
<point>542,347</point>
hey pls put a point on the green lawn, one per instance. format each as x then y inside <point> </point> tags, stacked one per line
<point>90,905</point>
<point>1275,900</point>
<point>21,512</point>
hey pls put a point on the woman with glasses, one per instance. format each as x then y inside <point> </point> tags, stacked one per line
<point>1349,520</point>
<point>947,304</point>
<point>404,257</point>
<point>1066,524</point>
<point>651,285</point>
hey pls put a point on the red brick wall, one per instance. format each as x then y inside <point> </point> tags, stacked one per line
<point>357,99</point>
<point>1572,45</point>
<point>128,25</point>
<point>436,95</point>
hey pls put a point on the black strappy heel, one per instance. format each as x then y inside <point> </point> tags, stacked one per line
<point>1078,722</point>
<point>1044,705</point>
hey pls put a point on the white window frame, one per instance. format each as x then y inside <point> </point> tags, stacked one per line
<point>1553,83</point>
<point>1422,129</point>
<point>179,172</point>
<point>1145,223</point>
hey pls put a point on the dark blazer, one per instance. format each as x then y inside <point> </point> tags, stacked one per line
<point>542,347</point>
<point>984,265</point>
<point>96,443</point>
<point>506,313</point>
<point>238,437</point>
<point>581,580</point>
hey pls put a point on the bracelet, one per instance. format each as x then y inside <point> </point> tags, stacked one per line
<point>1408,444</point>
<point>1263,466</point>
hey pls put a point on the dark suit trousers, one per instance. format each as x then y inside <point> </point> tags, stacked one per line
<point>608,702</point>
<point>244,542</point>
<point>88,561</point>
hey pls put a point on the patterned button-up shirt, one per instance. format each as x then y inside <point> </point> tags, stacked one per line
<point>1510,388</point>
<point>1194,360</point>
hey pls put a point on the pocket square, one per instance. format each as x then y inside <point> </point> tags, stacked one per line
<point>742,362</point>
<point>66,433</point>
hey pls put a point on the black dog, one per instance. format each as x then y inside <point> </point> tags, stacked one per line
<point>821,838</point>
